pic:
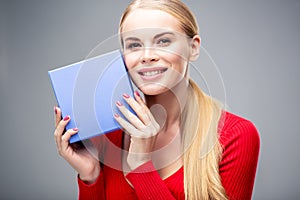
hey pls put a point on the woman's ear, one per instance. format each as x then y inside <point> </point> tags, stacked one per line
<point>195,47</point>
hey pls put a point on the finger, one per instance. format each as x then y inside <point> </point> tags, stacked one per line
<point>66,137</point>
<point>129,128</point>
<point>155,124</point>
<point>133,119</point>
<point>139,109</point>
<point>60,129</point>
<point>57,112</point>
<point>141,101</point>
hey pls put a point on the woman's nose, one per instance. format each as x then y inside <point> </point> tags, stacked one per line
<point>149,55</point>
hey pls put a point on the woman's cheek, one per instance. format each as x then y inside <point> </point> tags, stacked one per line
<point>177,61</point>
<point>131,60</point>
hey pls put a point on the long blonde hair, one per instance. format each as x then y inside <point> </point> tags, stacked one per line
<point>202,150</point>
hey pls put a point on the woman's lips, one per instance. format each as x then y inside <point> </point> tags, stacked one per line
<point>152,73</point>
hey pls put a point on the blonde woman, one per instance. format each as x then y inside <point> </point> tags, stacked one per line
<point>179,144</point>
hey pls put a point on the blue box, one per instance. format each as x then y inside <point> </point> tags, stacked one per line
<point>88,91</point>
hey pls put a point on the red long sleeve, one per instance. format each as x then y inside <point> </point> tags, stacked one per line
<point>93,191</point>
<point>240,141</point>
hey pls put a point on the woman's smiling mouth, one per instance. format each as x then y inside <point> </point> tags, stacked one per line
<point>152,73</point>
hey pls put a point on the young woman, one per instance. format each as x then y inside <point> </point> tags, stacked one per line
<point>179,144</point>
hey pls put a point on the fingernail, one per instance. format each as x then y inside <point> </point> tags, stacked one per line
<point>55,109</point>
<point>137,93</point>
<point>116,115</point>
<point>119,103</point>
<point>126,96</point>
<point>75,129</point>
<point>66,118</point>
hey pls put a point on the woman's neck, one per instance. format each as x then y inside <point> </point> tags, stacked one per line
<point>168,106</point>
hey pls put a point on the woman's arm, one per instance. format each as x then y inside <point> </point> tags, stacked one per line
<point>143,130</point>
<point>87,166</point>
<point>241,145</point>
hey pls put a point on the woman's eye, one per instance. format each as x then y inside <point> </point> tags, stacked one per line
<point>164,42</point>
<point>133,45</point>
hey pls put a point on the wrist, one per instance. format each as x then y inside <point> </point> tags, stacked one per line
<point>134,161</point>
<point>91,177</point>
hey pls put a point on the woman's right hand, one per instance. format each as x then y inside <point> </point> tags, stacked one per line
<point>87,166</point>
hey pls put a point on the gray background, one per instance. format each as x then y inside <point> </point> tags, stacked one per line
<point>255,44</point>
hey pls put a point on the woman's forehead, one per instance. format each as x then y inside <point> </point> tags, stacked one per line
<point>151,33</point>
<point>150,19</point>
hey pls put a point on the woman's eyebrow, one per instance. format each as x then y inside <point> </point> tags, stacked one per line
<point>132,38</point>
<point>164,33</point>
<point>155,37</point>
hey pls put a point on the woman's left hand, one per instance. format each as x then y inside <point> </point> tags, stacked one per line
<point>141,127</point>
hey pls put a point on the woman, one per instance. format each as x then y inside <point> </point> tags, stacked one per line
<point>180,144</point>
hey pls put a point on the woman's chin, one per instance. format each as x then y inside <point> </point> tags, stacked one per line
<point>153,89</point>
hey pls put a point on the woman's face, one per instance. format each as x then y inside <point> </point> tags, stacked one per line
<point>156,50</point>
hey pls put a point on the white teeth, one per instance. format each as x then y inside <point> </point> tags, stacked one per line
<point>152,73</point>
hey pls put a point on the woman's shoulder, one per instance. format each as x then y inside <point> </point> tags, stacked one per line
<point>233,128</point>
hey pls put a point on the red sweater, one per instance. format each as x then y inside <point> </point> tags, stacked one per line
<point>240,141</point>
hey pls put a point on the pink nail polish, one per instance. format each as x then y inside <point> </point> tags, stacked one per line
<point>116,115</point>
<point>55,109</point>
<point>75,129</point>
<point>137,93</point>
<point>126,96</point>
<point>119,103</point>
<point>66,118</point>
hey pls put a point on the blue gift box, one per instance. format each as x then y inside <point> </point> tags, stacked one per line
<point>87,91</point>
